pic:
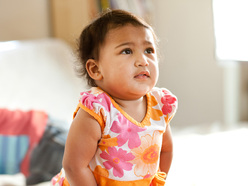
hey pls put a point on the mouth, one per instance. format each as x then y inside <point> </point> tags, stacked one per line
<point>143,74</point>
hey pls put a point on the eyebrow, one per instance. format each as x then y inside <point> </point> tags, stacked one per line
<point>131,43</point>
<point>124,44</point>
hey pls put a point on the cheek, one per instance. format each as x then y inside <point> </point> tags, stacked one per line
<point>125,69</point>
<point>156,73</point>
<point>116,73</point>
<point>155,68</point>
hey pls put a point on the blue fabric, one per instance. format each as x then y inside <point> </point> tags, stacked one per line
<point>12,152</point>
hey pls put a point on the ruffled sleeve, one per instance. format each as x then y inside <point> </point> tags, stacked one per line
<point>96,103</point>
<point>167,101</point>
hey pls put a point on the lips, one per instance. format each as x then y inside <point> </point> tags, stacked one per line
<point>143,74</point>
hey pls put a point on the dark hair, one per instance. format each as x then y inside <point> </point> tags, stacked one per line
<point>93,36</point>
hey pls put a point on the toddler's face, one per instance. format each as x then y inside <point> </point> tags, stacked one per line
<point>128,62</point>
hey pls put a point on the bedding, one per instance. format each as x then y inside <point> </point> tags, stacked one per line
<point>216,157</point>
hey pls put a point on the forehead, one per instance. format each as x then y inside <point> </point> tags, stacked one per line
<point>129,33</point>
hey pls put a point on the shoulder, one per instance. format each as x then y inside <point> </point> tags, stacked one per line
<point>162,93</point>
<point>94,98</point>
<point>83,121</point>
<point>97,103</point>
<point>166,99</point>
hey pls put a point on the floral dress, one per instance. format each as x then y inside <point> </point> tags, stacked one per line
<point>129,151</point>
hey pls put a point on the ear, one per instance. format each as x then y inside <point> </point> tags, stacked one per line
<point>93,69</point>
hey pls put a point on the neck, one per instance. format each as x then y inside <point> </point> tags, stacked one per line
<point>135,108</point>
<point>127,103</point>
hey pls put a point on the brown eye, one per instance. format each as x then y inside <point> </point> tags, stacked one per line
<point>126,51</point>
<point>149,51</point>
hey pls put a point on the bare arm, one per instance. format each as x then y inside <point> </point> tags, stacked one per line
<point>166,151</point>
<point>81,145</point>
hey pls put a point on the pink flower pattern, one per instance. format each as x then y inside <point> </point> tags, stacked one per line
<point>118,160</point>
<point>125,154</point>
<point>88,99</point>
<point>58,180</point>
<point>167,100</point>
<point>128,132</point>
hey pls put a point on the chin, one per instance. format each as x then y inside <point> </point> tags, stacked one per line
<point>141,93</point>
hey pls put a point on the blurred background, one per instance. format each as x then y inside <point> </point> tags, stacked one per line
<point>205,86</point>
<point>211,85</point>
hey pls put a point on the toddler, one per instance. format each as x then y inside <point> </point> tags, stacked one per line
<point>120,134</point>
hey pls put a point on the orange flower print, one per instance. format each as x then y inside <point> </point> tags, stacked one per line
<point>60,179</point>
<point>101,171</point>
<point>155,113</point>
<point>147,155</point>
<point>106,142</point>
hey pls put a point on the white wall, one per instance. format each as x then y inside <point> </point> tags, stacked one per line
<point>188,66</point>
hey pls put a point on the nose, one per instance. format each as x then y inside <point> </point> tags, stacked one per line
<point>141,60</point>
